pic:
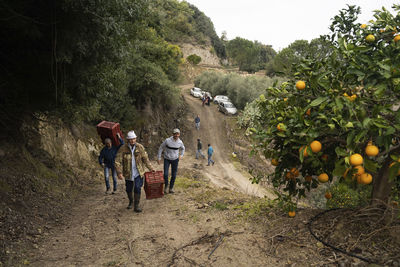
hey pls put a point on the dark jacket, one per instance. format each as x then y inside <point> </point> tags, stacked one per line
<point>107,155</point>
<point>199,145</point>
<point>197,119</point>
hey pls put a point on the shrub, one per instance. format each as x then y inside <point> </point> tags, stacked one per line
<point>343,196</point>
<point>194,59</point>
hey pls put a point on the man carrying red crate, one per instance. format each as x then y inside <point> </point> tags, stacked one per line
<point>171,147</point>
<point>130,164</point>
<point>107,159</point>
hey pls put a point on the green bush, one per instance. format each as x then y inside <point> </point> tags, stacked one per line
<point>343,196</point>
<point>194,59</point>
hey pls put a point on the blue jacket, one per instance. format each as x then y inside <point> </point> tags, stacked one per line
<point>197,120</point>
<point>210,151</point>
<point>107,155</point>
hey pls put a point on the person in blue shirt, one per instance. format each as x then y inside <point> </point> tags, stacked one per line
<point>210,152</point>
<point>107,161</point>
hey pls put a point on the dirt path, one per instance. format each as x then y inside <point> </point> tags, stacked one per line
<point>179,229</point>
<point>212,131</point>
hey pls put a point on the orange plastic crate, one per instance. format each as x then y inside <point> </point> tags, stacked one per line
<point>154,184</point>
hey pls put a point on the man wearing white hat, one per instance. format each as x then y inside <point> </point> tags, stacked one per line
<point>130,164</point>
<point>171,147</point>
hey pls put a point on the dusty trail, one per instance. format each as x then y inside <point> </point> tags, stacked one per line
<point>212,130</point>
<point>179,229</point>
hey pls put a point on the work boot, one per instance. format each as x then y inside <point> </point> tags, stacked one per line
<point>171,191</point>
<point>165,189</point>
<point>137,202</point>
<point>130,200</point>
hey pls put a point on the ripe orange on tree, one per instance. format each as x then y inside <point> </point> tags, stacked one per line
<point>315,146</point>
<point>365,178</point>
<point>275,162</point>
<point>359,170</point>
<point>371,150</point>
<point>328,195</point>
<point>305,153</point>
<point>396,38</point>
<point>370,38</point>
<point>280,127</point>
<point>295,172</point>
<point>292,213</point>
<point>323,178</point>
<point>300,85</point>
<point>289,176</point>
<point>356,159</point>
<point>308,112</point>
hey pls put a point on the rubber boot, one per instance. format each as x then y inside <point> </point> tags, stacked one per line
<point>137,202</point>
<point>130,200</point>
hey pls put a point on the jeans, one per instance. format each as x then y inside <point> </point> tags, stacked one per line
<point>198,152</point>
<point>197,125</point>
<point>210,160</point>
<point>135,185</point>
<point>174,170</point>
<point>107,175</point>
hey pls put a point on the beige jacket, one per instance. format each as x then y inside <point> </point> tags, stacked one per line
<point>123,160</point>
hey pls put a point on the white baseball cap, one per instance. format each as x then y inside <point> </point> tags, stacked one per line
<point>176,130</point>
<point>131,135</point>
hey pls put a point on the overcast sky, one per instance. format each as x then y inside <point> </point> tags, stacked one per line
<point>280,22</point>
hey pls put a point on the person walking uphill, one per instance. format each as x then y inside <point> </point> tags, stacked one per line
<point>130,164</point>
<point>171,147</point>
<point>107,161</point>
<point>199,148</point>
<point>197,122</point>
<point>210,152</point>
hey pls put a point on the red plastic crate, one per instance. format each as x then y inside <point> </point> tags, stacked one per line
<point>154,184</point>
<point>109,129</point>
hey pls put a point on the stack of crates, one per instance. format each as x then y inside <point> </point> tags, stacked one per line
<point>108,129</point>
<point>154,184</point>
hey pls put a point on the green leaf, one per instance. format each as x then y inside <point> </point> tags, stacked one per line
<point>350,138</point>
<point>341,152</point>
<point>390,130</point>
<point>380,125</point>
<point>331,125</point>
<point>366,122</point>
<point>393,171</point>
<point>340,168</point>
<point>318,101</point>
<point>349,125</point>
<point>370,165</point>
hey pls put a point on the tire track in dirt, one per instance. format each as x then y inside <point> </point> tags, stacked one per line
<point>212,130</point>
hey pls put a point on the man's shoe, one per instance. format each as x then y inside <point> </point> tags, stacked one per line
<point>171,191</point>
<point>165,190</point>
<point>136,203</point>
<point>107,191</point>
<point>130,197</point>
<point>213,163</point>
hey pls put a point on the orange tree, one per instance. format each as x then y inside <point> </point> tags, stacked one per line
<point>350,102</point>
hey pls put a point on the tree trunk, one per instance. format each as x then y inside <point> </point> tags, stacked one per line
<point>381,186</point>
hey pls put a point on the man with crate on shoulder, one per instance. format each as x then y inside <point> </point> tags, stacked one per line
<point>130,165</point>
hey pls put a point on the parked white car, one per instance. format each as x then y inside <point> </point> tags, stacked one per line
<point>196,92</point>
<point>221,98</point>
<point>227,108</point>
